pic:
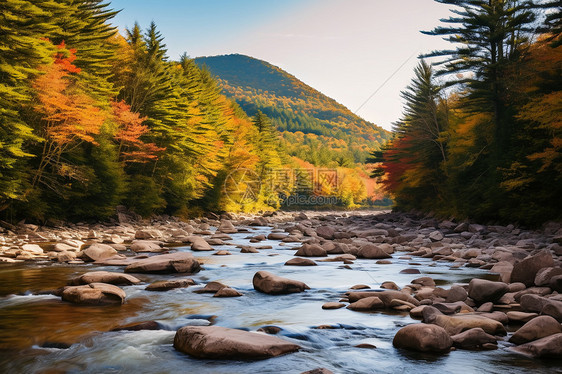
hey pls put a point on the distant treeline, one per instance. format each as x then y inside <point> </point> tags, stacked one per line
<point>487,143</point>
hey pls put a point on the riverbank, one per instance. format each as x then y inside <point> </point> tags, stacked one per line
<point>369,275</point>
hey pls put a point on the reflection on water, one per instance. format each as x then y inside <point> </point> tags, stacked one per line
<point>29,320</point>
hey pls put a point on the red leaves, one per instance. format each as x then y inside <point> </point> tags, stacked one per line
<point>68,113</point>
<point>131,147</point>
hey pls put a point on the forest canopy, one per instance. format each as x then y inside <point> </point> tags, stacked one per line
<point>481,133</point>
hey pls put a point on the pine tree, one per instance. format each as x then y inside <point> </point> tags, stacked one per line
<point>490,36</point>
<point>23,23</point>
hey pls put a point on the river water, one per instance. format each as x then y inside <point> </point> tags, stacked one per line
<point>30,320</point>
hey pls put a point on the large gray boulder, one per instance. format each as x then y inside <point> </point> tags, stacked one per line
<point>179,262</point>
<point>423,338</point>
<point>274,285</point>
<point>219,343</point>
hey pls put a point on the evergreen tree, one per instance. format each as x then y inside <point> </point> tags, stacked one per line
<point>22,24</point>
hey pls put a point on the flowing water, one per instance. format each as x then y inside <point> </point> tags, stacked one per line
<point>31,320</point>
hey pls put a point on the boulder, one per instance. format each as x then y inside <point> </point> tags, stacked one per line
<point>325,232</point>
<point>276,236</point>
<point>199,244</point>
<point>548,347</point>
<point>436,236</point>
<point>386,296</point>
<point>472,339</point>
<point>61,247</point>
<point>66,256</point>
<point>104,277</point>
<point>166,285</point>
<point>249,249</point>
<point>98,251</point>
<point>456,293</point>
<point>504,269</point>
<point>526,270</point>
<point>179,262</point>
<point>372,251</point>
<point>554,309</point>
<point>94,294</point>
<point>33,249</point>
<point>227,227</point>
<point>146,246</point>
<point>297,261</point>
<point>461,322</point>
<point>424,281</point>
<point>211,287</point>
<point>148,234</point>
<point>274,285</point>
<point>556,283</point>
<point>520,317</point>
<point>481,290</point>
<point>227,292</point>
<point>311,250</point>
<point>544,275</point>
<point>367,303</point>
<point>423,338</point>
<point>218,343</point>
<point>536,328</point>
<point>222,253</point>
<point>533,303</point>
<point>332,305</point>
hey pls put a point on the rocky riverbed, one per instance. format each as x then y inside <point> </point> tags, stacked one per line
<point>351,292</point>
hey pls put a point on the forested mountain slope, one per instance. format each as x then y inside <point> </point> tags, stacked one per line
<point>315,127</point>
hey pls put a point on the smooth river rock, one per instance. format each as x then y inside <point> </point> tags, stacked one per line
<point>179,262</point>
<point>219,343</point>
<point>94,294</point>
<point>104,277</point>
<point>548,347</point>
<point>535,329</point>
<point>481,290</point>
<point>98,251</point>
<point>423,338</point>
<point>526,270</point>
<point>170,284</point>
<point>269,283</point>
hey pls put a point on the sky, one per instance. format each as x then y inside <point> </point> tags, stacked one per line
<point>346,49</point>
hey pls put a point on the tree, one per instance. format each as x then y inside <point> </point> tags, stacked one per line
<point>130,129</point>
<point>22,23</point>
<point>490,36</point>
<point>68,116</point>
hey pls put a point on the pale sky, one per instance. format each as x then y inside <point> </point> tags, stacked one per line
<point>346,49</point>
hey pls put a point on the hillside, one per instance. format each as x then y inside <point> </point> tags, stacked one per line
<point>315,127</point>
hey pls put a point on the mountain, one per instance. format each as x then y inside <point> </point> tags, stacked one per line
<point>315,127</point>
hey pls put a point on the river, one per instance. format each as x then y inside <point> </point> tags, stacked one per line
<point>29,320</point>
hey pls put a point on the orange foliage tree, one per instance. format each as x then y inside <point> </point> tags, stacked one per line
<point>68,115</point>
<point>130,130</point>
